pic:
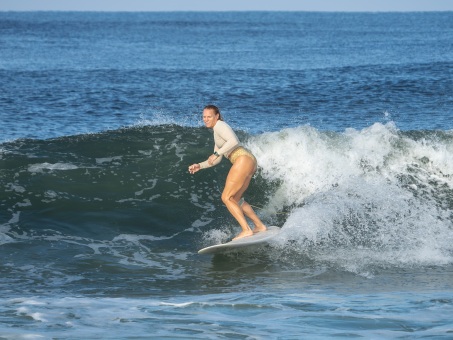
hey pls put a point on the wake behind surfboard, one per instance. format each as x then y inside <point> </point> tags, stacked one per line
<point>255,239</point>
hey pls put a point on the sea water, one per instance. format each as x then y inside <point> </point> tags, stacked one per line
<point>350,116</point>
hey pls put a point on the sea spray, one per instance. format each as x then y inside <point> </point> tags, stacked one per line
<point>376,196</point>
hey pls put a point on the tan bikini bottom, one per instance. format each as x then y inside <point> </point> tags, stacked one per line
<point>240,151</point>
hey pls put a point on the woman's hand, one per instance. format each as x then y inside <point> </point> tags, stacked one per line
<point>194,168</point>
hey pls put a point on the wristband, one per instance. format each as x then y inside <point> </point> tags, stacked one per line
<point>215,153</point>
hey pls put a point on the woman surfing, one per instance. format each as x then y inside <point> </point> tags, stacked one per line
<point>243,167</point>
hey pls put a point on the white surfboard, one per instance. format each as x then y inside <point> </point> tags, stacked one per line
<point>255,239</point>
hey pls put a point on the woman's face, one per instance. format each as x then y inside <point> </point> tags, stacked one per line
<point>210,118</point>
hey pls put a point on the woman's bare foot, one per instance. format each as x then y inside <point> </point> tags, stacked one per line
<point>243,234</point>
<point>259,229</point>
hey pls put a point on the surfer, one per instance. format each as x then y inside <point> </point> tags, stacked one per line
<point>244,165</point>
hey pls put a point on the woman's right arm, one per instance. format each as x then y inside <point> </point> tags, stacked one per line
<point>213,160</point>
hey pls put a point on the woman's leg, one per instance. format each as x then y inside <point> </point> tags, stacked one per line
<point>248,210</point>
<point>237,182</point>
<point>250,213</point>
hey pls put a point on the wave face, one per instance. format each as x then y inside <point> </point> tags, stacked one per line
<point>356,200</point>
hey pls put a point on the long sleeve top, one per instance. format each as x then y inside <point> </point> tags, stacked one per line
<point>225,141</point>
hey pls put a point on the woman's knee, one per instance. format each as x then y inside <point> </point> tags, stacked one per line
<point>226,198</point>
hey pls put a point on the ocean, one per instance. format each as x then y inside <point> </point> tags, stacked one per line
<point>350,116</point>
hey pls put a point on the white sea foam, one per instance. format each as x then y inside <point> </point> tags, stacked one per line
<point>15,187</point>
<point>103,160</point>
<point>154,117</point>
<point>48,166</point>
<point>5,238</point>
<point>138,238</point>
<point>5,228</point>
<point>375,191</point>
<point>216,236</point>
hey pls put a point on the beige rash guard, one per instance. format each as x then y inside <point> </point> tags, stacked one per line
<point>225,141</point>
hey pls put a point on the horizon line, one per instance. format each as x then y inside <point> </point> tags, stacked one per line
<point>229,10</point>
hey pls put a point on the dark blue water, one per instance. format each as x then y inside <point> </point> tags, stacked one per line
<point>349,116</point>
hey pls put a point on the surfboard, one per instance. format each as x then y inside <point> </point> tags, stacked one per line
<point>255,239</point>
